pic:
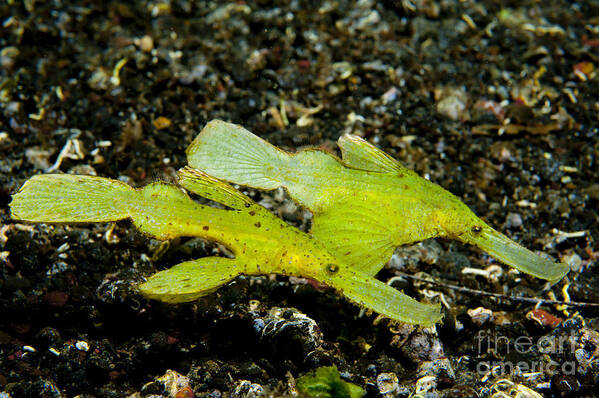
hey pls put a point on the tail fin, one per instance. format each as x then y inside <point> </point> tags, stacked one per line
<point>71,198</point>
<point>230,152</point>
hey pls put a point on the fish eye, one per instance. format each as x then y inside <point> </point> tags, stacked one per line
<point>476,229</point>
<point>332,268</point>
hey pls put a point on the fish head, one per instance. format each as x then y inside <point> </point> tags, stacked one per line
<point>452,219</point>
<point>462,224</point>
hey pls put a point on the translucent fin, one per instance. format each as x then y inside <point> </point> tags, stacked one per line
<point>61,198</point>
<point>230,152</point>
<point>511,253</point>
<point>190,280</point>
<point>200,183</point>
<point>364,242</point>
<point>375,295</point>
<point>360,154</point>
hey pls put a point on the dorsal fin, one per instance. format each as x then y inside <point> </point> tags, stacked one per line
<point>230,152</point>
<point>360,154</point>
<point>202,184</point>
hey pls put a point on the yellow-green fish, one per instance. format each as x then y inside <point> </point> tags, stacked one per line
<point>364,205</point>
<point>260,242</point>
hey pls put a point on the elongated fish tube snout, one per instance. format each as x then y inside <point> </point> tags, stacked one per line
<point>506,250</point>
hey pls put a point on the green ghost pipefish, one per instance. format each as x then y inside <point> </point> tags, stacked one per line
<point>260,242</point>
<point>364,205</point>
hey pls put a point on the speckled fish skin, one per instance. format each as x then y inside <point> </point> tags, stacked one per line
<point>365,204</point>
<point>260,242</point>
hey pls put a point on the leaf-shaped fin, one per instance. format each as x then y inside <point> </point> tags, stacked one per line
<point>356,235</point>
<point>62,198</point>
<point>360,154</point>
<point>191,280</point>
<point>230,152</point>
<point>202,184</point>
<point>377,296</point>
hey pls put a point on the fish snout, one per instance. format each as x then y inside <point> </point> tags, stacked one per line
<point>511,253</point>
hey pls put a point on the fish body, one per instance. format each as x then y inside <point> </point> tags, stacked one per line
<point>364,204</point>
<point>260,242</point>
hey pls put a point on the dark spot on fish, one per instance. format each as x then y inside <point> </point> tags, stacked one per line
<point>477,229</point>
<point>258,225</point>
<point>205,228</point>
<point>332,268</point>
<point>252,213</point>
<point>247,204</point>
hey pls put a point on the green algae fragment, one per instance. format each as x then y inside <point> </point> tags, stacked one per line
<point>326,382</point>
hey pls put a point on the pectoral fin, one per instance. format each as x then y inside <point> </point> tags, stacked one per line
<point>191,280</point>
<point>361,241</point>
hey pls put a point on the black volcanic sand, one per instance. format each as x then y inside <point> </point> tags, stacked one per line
<point>498,105</point>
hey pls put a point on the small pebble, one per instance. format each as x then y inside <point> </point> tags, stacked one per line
<point>480,315</point>
<point>574,261</point>
<point>161,123</point>
<point>514,220</point>
<point>544,318</point>
<point>387,383</point>
<point>82,346</point>
<point>146,44</point>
